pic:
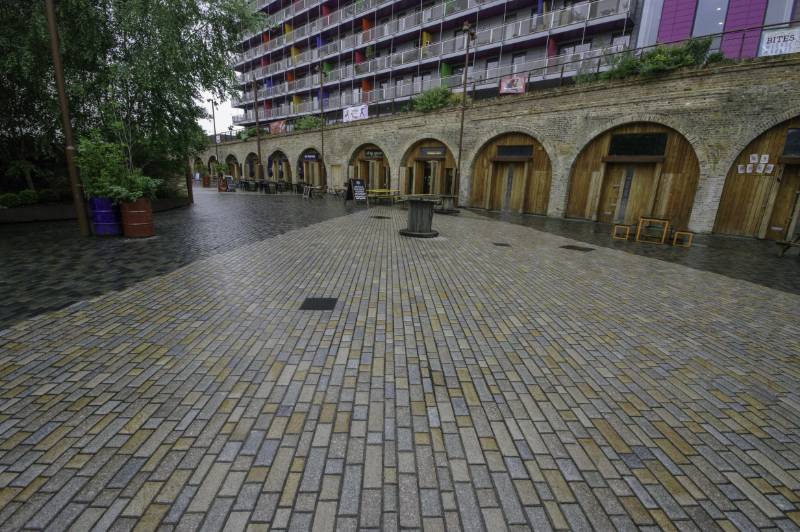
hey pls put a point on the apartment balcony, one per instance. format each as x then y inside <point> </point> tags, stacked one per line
<point>551,23</point>
<point>548,68</point>
<point>599,11</point>
<point>389,29</point>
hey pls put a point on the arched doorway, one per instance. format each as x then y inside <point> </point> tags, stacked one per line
<point>428,167</point>
<point>233,166</point>
<point>370,164</point>
<point>278,167</point>
<point>251,166</point>
<point>211,162</point>
<point>632,171</point>
<point>198,168</point>
<point>512,172</point>
<point>761,196</point>
<point>310,168</point>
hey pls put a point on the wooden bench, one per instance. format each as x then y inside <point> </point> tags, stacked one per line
<point>786,245</point>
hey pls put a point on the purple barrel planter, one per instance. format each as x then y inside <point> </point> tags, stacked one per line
<point>106,219</point>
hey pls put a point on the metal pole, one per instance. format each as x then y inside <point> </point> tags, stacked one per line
<point>214,121</point>
<point>322,125</point>
<point>468,36</point>
<point>259,166</point>
<point>69,143</point>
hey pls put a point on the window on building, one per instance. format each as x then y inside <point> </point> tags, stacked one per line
<point>710,17</point>
<point>574,48</point>
<point>778,11</point>
<point>491,67</point>
<point>518,62</point>
<point>620,40</point>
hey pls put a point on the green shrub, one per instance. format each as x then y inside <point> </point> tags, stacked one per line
<point>10,200</point>
<point>102,166</point>
<point>434,99</point>
<point>716,57</point>
<point>659,60</point>
<point>307,122</point>
<point>48,195</point>
<point>28,197</point>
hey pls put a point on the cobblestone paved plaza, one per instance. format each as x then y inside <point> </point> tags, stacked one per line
<point>457,384</point>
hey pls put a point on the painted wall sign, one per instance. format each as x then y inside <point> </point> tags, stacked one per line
<point>357,112</point>
<point>780,41</point>
<point>279,126</point>
<point>513,84</point>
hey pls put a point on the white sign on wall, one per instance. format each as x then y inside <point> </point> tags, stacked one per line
<point>357,112</point>
<point>780,41</point>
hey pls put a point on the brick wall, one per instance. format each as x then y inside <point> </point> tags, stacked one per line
<point>718,110</point>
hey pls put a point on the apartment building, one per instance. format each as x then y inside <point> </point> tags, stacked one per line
<point>379,53</point>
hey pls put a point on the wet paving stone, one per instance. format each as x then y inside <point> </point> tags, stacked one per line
<point>454,385</point>
<point>46,266</point>
<point>747,259</point>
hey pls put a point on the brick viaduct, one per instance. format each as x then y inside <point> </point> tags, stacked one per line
<point>718,110</point>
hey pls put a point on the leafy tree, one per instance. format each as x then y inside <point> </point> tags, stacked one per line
<point>135,69</point>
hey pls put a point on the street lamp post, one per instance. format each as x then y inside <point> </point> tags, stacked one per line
<point>322,121</point>
<point>69,143</point>
<point>214,121</point>
<point>469,34</point>
<point>259,166</point>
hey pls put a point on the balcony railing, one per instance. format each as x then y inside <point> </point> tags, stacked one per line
<point>562,17</point>
<point>546,68</point>
<point>435,51</point>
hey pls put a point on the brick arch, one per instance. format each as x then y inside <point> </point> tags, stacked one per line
<point>760,127</point>
<point>660,119</point>
<point>250,158</point>
<point>470,155</point>
<point>273,151</point>
<point>352,153</point>
<point>560,193</point>
<point>300,152</point>
<point>407,147</point>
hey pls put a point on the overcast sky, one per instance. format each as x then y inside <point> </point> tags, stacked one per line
<point>224,114</point>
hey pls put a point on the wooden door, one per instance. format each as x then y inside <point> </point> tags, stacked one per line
<point>494,201</point>
<point>363,172</point>
<point>642,193</point>
<point>419,177</point>
<point>785,204</point>
<point>610,193</point>
<point>743,204</point>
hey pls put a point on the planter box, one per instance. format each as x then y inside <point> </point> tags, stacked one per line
<point>105,217</point>
<point>137,218</point>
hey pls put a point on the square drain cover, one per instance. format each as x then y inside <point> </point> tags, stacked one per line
<point>577,248</point>
<point>380,217</point>
<point>319,303</point>
<point>502,244</point>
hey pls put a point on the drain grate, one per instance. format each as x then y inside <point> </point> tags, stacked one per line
<point>577,248</point>
<point>502,244</point>
<point>319,303</point>
<point>380,217</point>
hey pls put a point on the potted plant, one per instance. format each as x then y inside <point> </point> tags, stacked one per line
<point>135,207</point>
<point>102,170</point>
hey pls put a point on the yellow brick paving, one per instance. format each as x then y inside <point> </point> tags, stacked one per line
<point>457,385</point>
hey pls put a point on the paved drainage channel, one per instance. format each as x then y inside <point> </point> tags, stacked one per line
<point>380,217</point>
<point>319,303</point>
<point>502,244</point>
<point>577,248</point>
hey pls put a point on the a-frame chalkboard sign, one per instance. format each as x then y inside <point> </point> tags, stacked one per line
<point>356,191</point>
